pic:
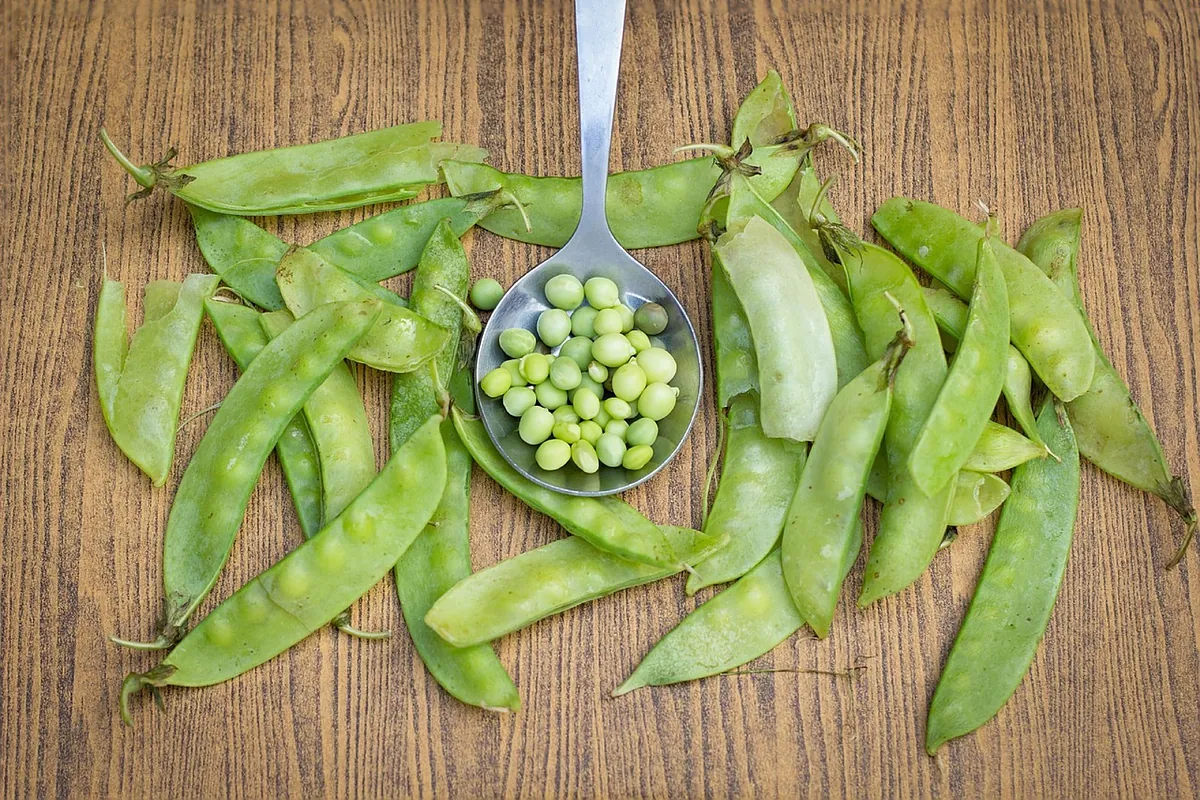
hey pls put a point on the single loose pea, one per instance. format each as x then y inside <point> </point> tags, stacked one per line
<point>651,318</point>
<point>638,340</point>
<point>601,293</point>
<point>553,327</point>
<point>583,321</point>
<point>565,414</point>
<point>536,425</point>
<point>658,364</point>
<point>657,401</point>
<point>637,457</point>
<point>564,291</point>
<point>535,368</point>
<point>618,428</point>
<point>628,382</point>
<point>550,396</point>
<point>617,408</point>
<point>642,431</point>
<point>607,321</point>
<point>553,454</point>
<point>584,456</point>
<point>587,383</point>
<point>565,374</point>
<point>626,317</point>
<point>514,369</point>
<point>590,432</point>
<point>610,450</point>
<point>517,342</point>
<point>486,294</point>
<point>597,372</point>
<point>496,382</point>
<point>566,432</point>
<point>612,349</point>
<point>586,403</point>
<point>578,349</point>
<point>518,400</point>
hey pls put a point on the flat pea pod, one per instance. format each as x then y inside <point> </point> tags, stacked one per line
<point>1000,448</point>
<point>240,330</point>
<point>308,587</point>
<point>399,341</point>
<point>378,166</point>
<point>976,495</point>
<point>765,114</point>
<point>804,196</point>
<point>973,383</point>
<point>1113,434</point>
<point>951,316</point>
<point>1043,326</point>
<point>737,372</point>
<point>1016,590</point>
<point>607,522</point>
<point>140,381</point>
<point>825,508</point>
<point>758,479</point>
<point>211,499</point>
<point>536,584</point>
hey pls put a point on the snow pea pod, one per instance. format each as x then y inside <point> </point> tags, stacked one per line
<point>972,384</point>
<point>1112,431</point>
<point>378,166</point>
<point>212,496</point>
<point>310,585</point>
<point>806,196</point>
<point>1016,591</point>
<point>400,341</point>
<point>976,495</point>
<point>765,114</point>
<point>140,382</point>
<point>1044,327</point>
<point>737,373</point>
<point>538,583</point>
<point>999,448</point>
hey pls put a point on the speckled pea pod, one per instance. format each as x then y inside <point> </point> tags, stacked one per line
<point>399,341</point>
<point>976,495</point>
<point>310,585</point>
<point>140,381</point>
<point>374,167</point>
<point>1016,590</point>
<point>1113,434</point>
<point>1043,325</point>
<point>549,580</point>
<point>212,496</point>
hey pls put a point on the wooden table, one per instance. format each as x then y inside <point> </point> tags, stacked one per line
<point>1029,106</point>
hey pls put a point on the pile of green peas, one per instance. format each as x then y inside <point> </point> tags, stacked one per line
<point>599,398</point>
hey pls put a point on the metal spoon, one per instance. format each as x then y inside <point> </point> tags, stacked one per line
<point>593,251</point>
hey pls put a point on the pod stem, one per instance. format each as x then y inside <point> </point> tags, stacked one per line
<point>342,623</point>
<point>148,176</point>
<point>136,681</point>
<point>470,318</point>
<point>711,474</point>
<point>899,347</point>
<point>1176,496</point>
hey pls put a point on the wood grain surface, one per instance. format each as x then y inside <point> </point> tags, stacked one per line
<point>1028,105</point>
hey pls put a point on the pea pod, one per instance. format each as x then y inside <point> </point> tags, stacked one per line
<point>400,341</point>
<point>999,448</point>
<point>1016,591</point>
<point>734,351</point>
<point>1113,434</point>
<point>211,499</point>
<point>374,167</point>
<point>805,197</point>
<point>1043,326</point>
<point>766,113</point>
<point>976,495</point>
<point>548,580</point>
<point>140,382</point>
<point>310,585</point>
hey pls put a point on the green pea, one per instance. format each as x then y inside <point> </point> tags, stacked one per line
<point>566,432</point>
<point>626,314</point>
<point>637,457</point>
<point>610,450</point>
<point>658,364</point>
<point>584,456</point>
<point>553,454</point>
<point>628,382</point>
<point>617,427</point>
<point>617,408</point>
<point>553,326</point>
<point>642,432</point>
<point>565,374</point>
<point>564,291</point>
<point>587,403</point>
<point>607,321</point>
<point>638,340</point>
<point>590,432</point>
<point>514,369</point>
<point>535,368</point>
<point>518,400</point>
<point>578,349</point>
<point>601,293</point>
<point>486,294</point>
<point>496,382</point>
<point>565,414</point>
<point>583,321</point>
<point>612,349</point>
<point>602,418</point>
<point>657,401</point>
<point>651,318</point>
<point>550,396</point>
<point>536,425</point>
<point>517,342</point>
<point>587,383</point>
<point>597,372</point>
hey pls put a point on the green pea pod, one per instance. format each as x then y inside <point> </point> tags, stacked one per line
<point>140,382</point>
<point>766,113</point>
<point>607,522</point>
<point>1044,327</point>
<point>737,373</point>
<point>212,496</point>
<point>806,196</point>
<point>1113,433</point>
<point>241,331</point>
<point>400,341</point>
<point>976,495</point>
<point>242,253</point>
<point>310,585</point>
<point>520,591</point>
<point>348,172</point>
<point>825,508</point>
<point>999,448</point>
<point>1016,590</point>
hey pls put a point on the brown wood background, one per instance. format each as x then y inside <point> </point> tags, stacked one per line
<point>1028,105</point>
